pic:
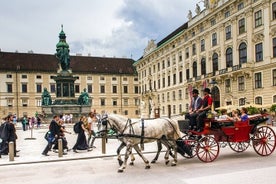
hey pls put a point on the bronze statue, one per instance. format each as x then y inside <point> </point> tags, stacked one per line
<point>63,56</point>
<point>83,98</point>
<point>46,97</point>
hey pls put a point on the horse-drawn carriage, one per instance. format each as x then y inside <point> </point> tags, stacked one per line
<point>238,135</point>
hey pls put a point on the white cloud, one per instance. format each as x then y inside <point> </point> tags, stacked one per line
<point>108,27</point>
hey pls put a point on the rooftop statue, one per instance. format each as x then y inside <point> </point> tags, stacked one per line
<point>46,97</point>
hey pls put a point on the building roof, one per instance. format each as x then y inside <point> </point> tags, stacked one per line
<point>80,64</point>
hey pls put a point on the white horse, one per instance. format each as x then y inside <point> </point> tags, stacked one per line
<point>163,129</point>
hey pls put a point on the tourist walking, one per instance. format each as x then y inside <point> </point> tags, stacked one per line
<point>54,129</point>
<point>81,143</point>
<point>92,119</point>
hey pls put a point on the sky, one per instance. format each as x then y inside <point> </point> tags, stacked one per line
<point>100,28</point>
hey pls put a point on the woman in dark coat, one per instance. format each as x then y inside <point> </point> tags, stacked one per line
<point>81,143</point>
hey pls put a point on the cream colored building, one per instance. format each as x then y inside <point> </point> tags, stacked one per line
<point>112,83</point>
<point>229,46</point>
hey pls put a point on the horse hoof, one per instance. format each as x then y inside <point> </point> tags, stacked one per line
<point>120,170</point>
<point>173,164</point>
<point>120,162</point>
<point>147,167</point>
<point>167,162</point>
<point>153,161</point>
<point>131,163</point>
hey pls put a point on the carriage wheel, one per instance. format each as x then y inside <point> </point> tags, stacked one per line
<point>264,141</point>
<point>207,149</point>
<point>239,146</point>
<point>192,143</point>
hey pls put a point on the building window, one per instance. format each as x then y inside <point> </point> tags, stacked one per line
<point>259,52</point>
<point>228,34</point>
<point>229,58</point>
<point>240,6</point>
<point>186,93</point>
<point>163,82</point>
<point>163,97</point>
<point>274,11</point>
<point>187,74</point>
<point>241,26</point>
<point>38,103</point>
<point>9,76</point>
<point>38,77</point>
<point>215,62</point>
<point>169,80</point>
<point>168,96</point>
<point>77,88</point>
<point>258,18</point>
<point>102,78</point>
<point>274,46</point>
<point>259,100</point>
<point>38,88</point>
<point>24,77</point>
<point>241,101</point>
<point>114,89</point>
<point>227,86</point>
<point>125,101</point>
<point>227,14</point>
<point>180,56</point>
<point>136,89</point>
<point>180,94</point>
<point>89,88</point>
<point>114,103</point>
<point>89,77</point>
<point>24,102</point>
<point>173,95</point>
<point>125,89</point>
<point>258,80</point>
<point>213,22</point>
<point>180,77</point>
<point>241,84</point>
<point>9,102</point>
<point>187,53</point>
<point>242,53</point>
<point>102,89</point>
<point>9,87</point>
<point>163,64</point>
<point>52,88</point>
<point>126,112</point>
<point>202,45</point>
<point>102,100</point>
<point>174,79</point>
<point>203,66</point>
<point>180,108</point>
<point>24,88</point>
<point>194,69</point>
<point>274,99</point>
<point>274,77</point>
<point>194,49</point>
<point>214,39</point>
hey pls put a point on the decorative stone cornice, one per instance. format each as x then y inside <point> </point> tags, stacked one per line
<point>258,38</point>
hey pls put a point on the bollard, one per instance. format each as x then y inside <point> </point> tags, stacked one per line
<point>104,144</point>
<point>11,151</point>
<point>60,148</point>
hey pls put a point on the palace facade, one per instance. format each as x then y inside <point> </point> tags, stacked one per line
<point>112,83</point>
<point>229,46</point>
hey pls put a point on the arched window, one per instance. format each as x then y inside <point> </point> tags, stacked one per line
<point>274,99</point>
<point>274,11</point>
<point>203,66</point>
<point>229,58</point>
<point>194,69</point>
<point>242,53</point>
<point>259,100</point>
<point>215,62</point>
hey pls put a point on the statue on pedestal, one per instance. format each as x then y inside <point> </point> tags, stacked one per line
<point>83,98</point>
<point>62,49</point>
<point>46,97</point>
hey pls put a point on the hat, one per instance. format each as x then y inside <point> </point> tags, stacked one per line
<point>207,90</point>
<point>195,91</point>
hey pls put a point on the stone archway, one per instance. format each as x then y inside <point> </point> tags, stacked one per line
<point>215,93</point>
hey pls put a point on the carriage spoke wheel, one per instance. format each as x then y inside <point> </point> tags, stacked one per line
<point>192,143</point>
<point>239,146</point>
<point>207,149</point>
<point>264,141</point>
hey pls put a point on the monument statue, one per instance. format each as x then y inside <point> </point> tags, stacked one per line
<point>83,98</point>
<point>46,97</point>
<point>62,49</point>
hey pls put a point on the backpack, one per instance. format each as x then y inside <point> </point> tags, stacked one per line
<point>4,131</point>
<point>77,127</point>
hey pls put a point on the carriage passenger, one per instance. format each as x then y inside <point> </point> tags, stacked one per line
<point>205,107</point>
<point>196,102</point>
<point>224,115</point>
<point>244,116</point>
